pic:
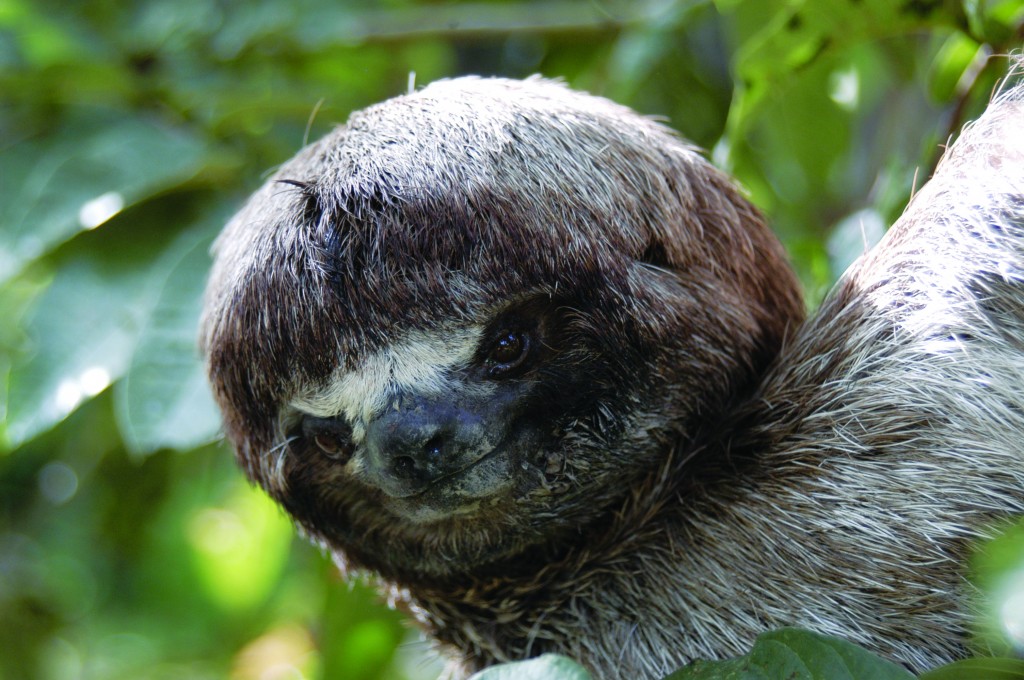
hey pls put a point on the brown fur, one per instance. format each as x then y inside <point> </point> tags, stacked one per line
<point>690,477</point>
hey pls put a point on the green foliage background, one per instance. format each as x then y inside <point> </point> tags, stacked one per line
<point>130,547</point>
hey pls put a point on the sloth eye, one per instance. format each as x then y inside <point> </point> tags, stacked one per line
<point>508,348</point>
<point>508,353</point>
<point>330,444</point>
<point>330,435</point>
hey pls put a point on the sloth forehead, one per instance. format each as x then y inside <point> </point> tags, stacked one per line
<point>380,222</point>
<point>440,205</point>
<point>420,361</point>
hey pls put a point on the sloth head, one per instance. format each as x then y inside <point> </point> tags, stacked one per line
<point>462,326</point>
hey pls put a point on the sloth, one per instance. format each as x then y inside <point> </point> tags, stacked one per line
<point>529,359</point>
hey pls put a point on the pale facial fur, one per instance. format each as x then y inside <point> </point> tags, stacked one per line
<point>421,361</point>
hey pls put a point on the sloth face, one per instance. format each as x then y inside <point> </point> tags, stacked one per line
<point>461,327</point>
<point>440,422</point>
<point>459,441</point>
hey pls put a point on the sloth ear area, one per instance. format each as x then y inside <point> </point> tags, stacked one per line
<point>309,202</point>
<point>655,255</point>
<point>655,261</point>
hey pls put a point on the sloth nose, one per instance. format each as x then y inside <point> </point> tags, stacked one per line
<point>412,446</point>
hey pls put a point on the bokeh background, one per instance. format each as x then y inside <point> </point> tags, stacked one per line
<point>130,546</point>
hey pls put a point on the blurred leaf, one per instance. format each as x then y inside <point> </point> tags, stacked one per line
<point>80,177</point>
<point>41,41</point>
<point>366,649</point>
<point>363,635</point>
<point>544,667</point>
<point>995,21</point>
<point>288,651</point>
<point>797,655</point>
<point>338,23</point>
<point>15,297</point>
<point>174,25</point>
<point>673,66</point>
<point>978,669</point>
<point>240,548</point>
<point>797,149</point>
<point>1001,555</point>
<point>640,49</point>
<point>84,327</point>
<point>997,569</point>
<point>800,33</point>
<point>852,237</point>
<point>957,55</point>
<point>165,400</point>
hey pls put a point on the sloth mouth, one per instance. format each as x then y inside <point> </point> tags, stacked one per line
<point>473,486</point>
<point>451,477</point>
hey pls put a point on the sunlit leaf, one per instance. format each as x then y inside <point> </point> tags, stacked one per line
<point>998,572</point>
<point>164,400</point>
<point>83,329</point>
<point>81,176</point>
<point>979,669</point>
<point>994,21</point>
<point>240,547</point>
<point>544,667</point>
<point>957,55</point>
<point>797,655</point>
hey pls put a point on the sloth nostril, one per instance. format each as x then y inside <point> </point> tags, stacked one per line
<point>434,447</point>
<point>404,467</point>
<point>418,462</point>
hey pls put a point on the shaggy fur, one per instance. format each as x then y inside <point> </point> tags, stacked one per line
<point>684,463</point>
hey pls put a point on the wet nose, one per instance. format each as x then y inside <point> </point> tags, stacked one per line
<point>411,447</point>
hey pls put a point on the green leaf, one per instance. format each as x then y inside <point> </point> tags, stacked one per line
<point>366,648</point>
<point>997,569</point>
<point>81,176</point>
<point>853,236</point>
<point>793,654</point>
<point>83,329</point>
<point>164,400</point>
<point>240,547</point>
<point>42,41</point>
<point>957,55</point>
<point>994,21</point>
<point>544,667</point>
<point>804,31</point>
<point>979,669</point>
<point>16,296</point>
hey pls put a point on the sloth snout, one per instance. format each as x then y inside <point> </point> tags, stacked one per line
<point>410,448</point>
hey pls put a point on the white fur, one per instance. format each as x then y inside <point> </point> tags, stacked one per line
<point>420,361</point>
